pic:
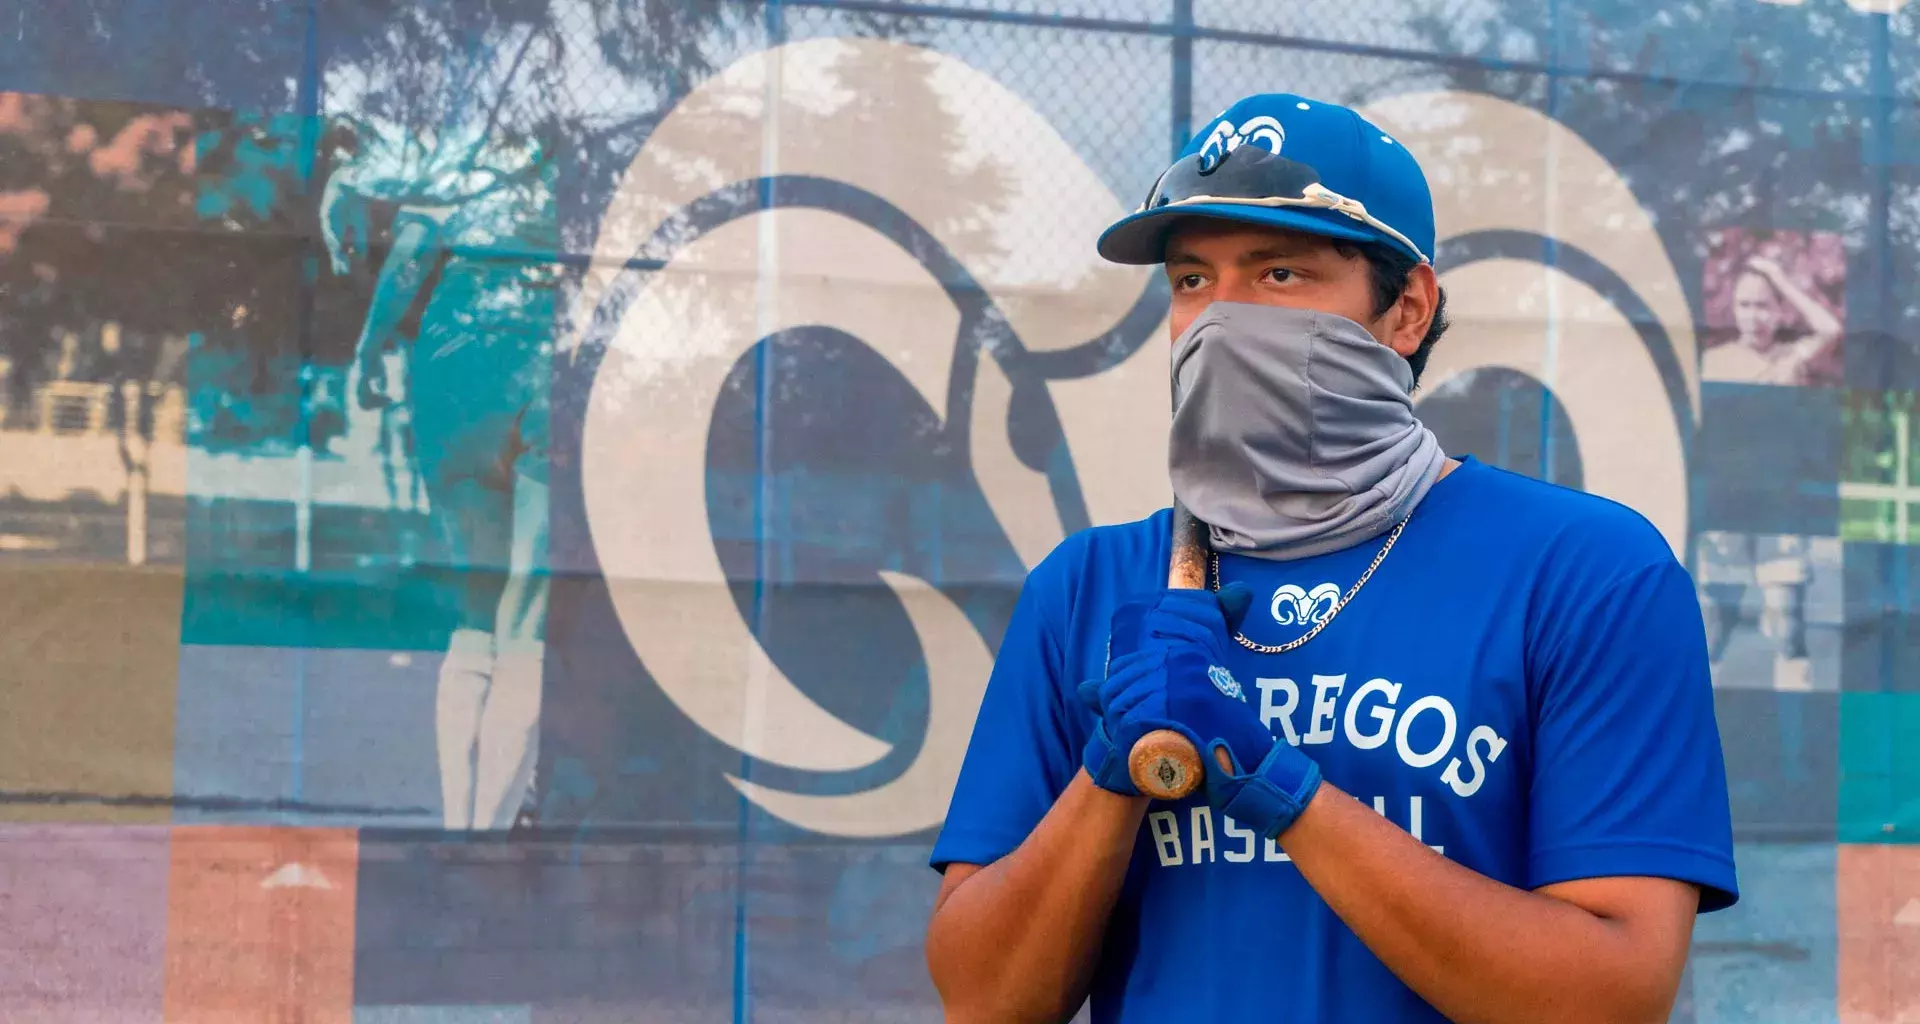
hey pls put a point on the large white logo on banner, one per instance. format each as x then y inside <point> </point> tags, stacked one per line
<point>1495,166</point>
<point>806,110</point>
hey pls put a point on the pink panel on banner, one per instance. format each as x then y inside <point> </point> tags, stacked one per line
<point>1879,907</point>
<point>82,923</point>
<point>260,925</point>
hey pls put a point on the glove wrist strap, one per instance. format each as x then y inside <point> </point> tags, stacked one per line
<point>1271,796</point>
<point>1106,763</point>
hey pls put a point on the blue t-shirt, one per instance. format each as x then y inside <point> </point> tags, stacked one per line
<point>1522,685</point>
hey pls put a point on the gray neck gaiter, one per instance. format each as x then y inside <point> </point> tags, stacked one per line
<point>1293,431</point>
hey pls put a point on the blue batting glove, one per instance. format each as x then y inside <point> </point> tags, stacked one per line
<point>1175,633</point>
<point>1105,759</point>
<point>1167,670</point>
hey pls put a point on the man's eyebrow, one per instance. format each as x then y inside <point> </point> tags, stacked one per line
<point>1280,251</point>
<point>1273,252</point>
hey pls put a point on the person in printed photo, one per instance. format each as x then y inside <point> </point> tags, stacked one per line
<point>1782,568</point>
<point>1784,328</point>
<point>472,202</point>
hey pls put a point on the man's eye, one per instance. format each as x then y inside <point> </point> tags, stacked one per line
<point>1188,282</point>
<point>1280,275</point>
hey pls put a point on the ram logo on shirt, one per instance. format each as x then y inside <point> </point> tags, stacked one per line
<point>1293,606</point>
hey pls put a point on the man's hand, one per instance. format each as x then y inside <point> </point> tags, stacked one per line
<point>372,389</point>
<point>1767,268</point>
<point>343,225</point>
<point>1167,669</point>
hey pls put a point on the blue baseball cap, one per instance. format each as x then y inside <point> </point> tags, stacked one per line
<point>1319,168</point>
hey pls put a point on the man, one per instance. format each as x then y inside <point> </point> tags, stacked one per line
<point>469,251</point>
<point>1473,770</point>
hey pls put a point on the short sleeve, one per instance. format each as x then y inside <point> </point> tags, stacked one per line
<point>1628,776</point>
<point>1021,754</point>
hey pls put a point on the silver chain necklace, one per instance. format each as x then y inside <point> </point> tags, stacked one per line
<point>1213,570</point>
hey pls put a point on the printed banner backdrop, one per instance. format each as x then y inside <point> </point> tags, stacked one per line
<point>507,506</point>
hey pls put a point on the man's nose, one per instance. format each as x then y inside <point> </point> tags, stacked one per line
<point>1233,288</point>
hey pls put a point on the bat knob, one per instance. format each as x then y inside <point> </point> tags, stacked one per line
<point>1163,765</point>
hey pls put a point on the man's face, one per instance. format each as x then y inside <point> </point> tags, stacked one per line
<point>1212,261</point>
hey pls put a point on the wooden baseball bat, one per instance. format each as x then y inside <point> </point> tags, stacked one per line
<point>1163,764</point>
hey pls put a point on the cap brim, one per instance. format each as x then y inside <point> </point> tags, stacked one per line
<point>1141,238</point>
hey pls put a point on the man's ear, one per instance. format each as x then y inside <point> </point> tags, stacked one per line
<point>1416,307</point>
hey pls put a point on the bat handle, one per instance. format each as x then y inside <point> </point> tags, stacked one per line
<point>1187,568</point>
<point>1163,764</point>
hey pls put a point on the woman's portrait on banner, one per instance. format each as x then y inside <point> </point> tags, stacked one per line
<point>1775,308</point>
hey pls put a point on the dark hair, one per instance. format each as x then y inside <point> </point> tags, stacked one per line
<point>1391,268</point>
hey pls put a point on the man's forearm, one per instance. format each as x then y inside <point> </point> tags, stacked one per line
<point>1475,948</point>
<point>1820,320</point>
<point>1018,939</point>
